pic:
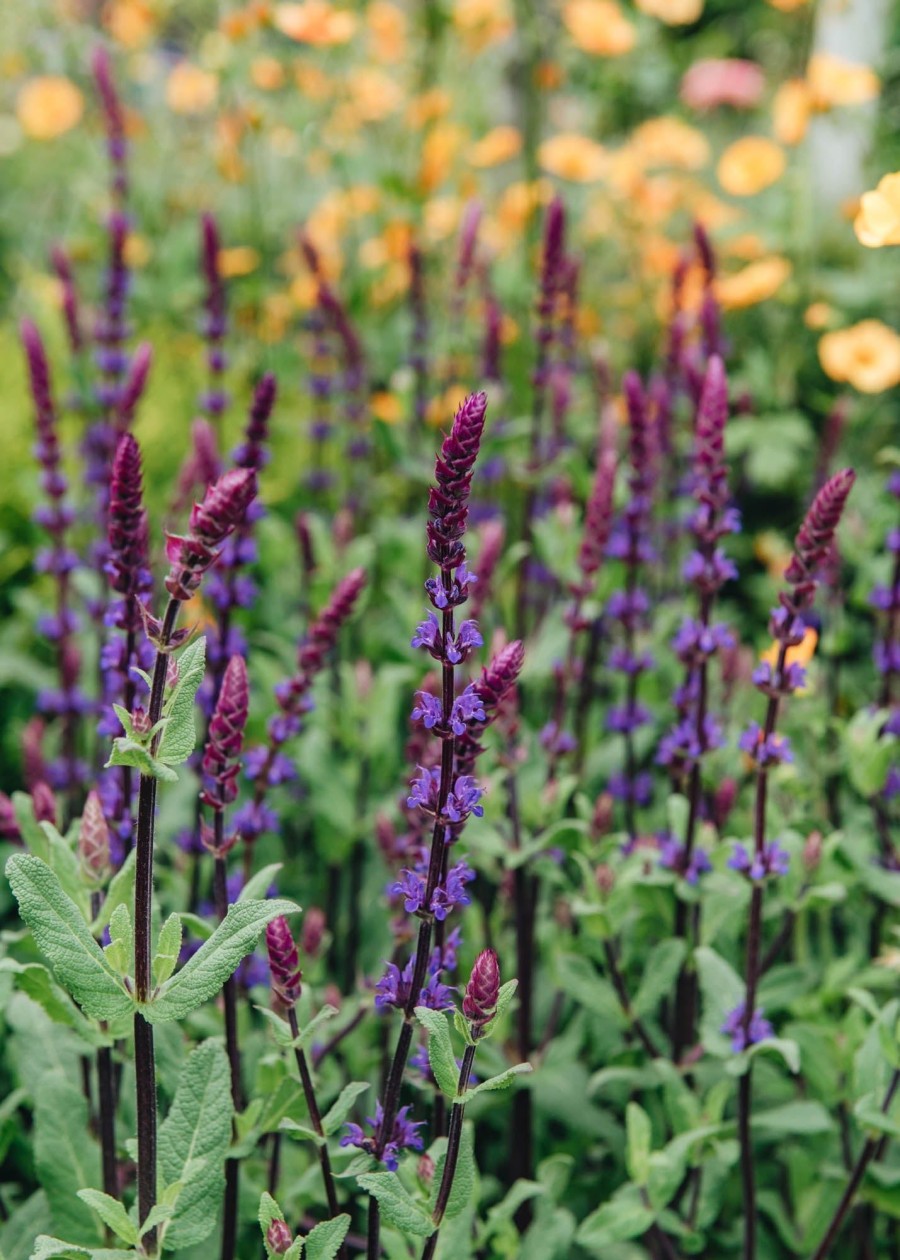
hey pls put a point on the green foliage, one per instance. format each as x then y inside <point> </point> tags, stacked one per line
<point>176,731</point>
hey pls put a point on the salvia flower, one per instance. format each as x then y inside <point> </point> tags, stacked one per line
<point>765,750</point>
<point>221,757</point>
<point>279,1238</point>
<point>394,989</point>
<point>213,400</point>
<point>211,521</point>
<point>673,856</point>
<point>449,497</point>
<point>404,1135</point>
<point>743,1035</point>
<point>482,991</point>
<point>62,266</point>
<point>773,860</point>
<point>284,961</point>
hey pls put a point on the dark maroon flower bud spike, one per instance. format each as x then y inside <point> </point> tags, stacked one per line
<point>284,962</point>
<point>221,757</point>
<point>93,841</point>
<point>279,1238</point>
<point>133,386</point>
<point>482,991</point>
<point>61,264</point>
<point>211,522</point>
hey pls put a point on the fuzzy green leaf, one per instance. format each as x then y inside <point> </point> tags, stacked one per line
<point>502,1081</point>
<point>203,975</point>
<point>119,952</point>
<point>440,1049</point>
<point>119,893</point>
<point>624,1216</point>
<point>111,1213</point>
<point>340,1108</point>
<point>638,1144</point>
<point>258,885</point>
<point>324,1242</point>
<point>198,1127</point>
<point>46,1247</point>
<point>66,1156</point>
<point>300,1131</point>
<point>721,989</point>
<point>269,1211</point>
<point>168,947</point>
<point>128,752</point>
<point>398,1208</point>
<point>180,734</point>
<point>463,1178</point>
<point>35,980</point>
<point>65,940</point>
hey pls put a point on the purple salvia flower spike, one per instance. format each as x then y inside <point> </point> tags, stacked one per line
<point>222,510</point>
<point>221,757</point>
<point>284,961</point>
<point>93,840</point>
<point>480,999</point>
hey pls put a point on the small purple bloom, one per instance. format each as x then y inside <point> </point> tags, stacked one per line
<point>428,711</point>
<point>759,1028</point>
<point>771,750</point>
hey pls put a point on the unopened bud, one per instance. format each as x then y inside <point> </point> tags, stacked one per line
<point>9,824</point>
<point>425,1169</point>
<point>44,803</point>
<point>313,931</point>
<point>140,720</point>
<point>606,879</point>
<point>172,673</point>
<point>723,802</point>
<point>812,850</point>
<point>93,840</point>
<point>602,819</point>
<point>480,1000</point>
<point>284,962</point>
<point>279,1237</point>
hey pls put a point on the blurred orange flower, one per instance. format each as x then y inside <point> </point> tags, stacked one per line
<point>498,146</point>
<point>267,73</point>
<point>433,104</point>
<point>750,165</point>
<point>878,220</point>
<point>238,260</point>
<point>386,407</point>
<point>375,95</point>
<point>48,107</point>
<point>312,81</point>
<point>599,27</point>
<point>801,654</point>
<point>387,31</point>
<point>314,22</point>
<point>439,149</point>
<point>866,356</point>
<point>131,22</point>
<point>670,142</point>
<point>834,81</point>
<point>817,315</point>
<point>672,12</point>
<point>754,283</point>
<point>482,22</point>
<point>788,6</point>
<point>190,90</point>
<point>791,109</point>
<point>573,157</point>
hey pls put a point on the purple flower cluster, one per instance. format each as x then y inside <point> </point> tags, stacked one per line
<point>449,892</point>
<point>395,986</point>
<point>743,1034</point>
<point>214,324</point>
<point>404,1136</point>
<point>765,750</point>
<point>773,860</point>
<point>674,856</point>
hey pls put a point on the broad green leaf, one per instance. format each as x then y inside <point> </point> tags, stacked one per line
<point>721,989</point>
<point>461,1191</point>
<point>624,1216</point>
<point>504,997</point>
<point>180,734</point>
<point>340,1108</point>
<point>324,1242</point>
<point>660,973</point>
<point>65,940</point>
<point>64,864</point>
<point>111,1213</point>
<point>578,977</point>
<point>162,1212</point>
<point>36,981</point>
<point>32,833</point>
<point>203,975</point>
<point>794,1118</point>
<point>502,1081</point>
<point>398,1208</point>
<point>198,1127</point>
<point>300,1131</point>
<point>120,950</point>
<point>46,1247</point>
<point>280,1027</point>
<point>440,1049</point>
<point>639,1137</point>
<point>66,1156</point>
<point>128,752</point>
<point>308,1031</point>
<point>168,947</point>
<point>269,1211</point>
<point>25,1223</point>
<point>258,885</point>
<point>787,1050</point>
<point>868,753</point>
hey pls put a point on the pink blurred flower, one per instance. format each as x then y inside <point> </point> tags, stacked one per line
<point>728,81</point>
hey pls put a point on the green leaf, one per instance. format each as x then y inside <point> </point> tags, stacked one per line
<point>162,1212</point>
<point>32,833</point>
<point>269,1211</point>
<point>787,1050</point>
<point>502,1081</point>
<point>36,981</point>
<point>66,1157</point>
<point>324,1242</point>
<point>119,952</point>
<point>340,1108</point>
<point>168,947</point>
<point>440,1049</point>
<point>128,752</point>
<point>398,1207</point>
<point>721,989</point>
<point>624,1216</point>
<point>203,975</point>
<point>794,1118</point>
<point>65,940</point>
<point>180,735</point>
<point>660,973</point>
<point>639,1136</point>
<point>299,1131</point>
<point>46,1247</point>
<point>308,1031</point>
<point>111,1213</point>
<point>463,1179</point>
<point>578,977</point>
<point>198,1127</point>
<point>258,885</point>
<point>868,753</point>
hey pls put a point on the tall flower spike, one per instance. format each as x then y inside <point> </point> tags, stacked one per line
<point>815,536</point>
<point>284,961</point>
<point>598,516</point>
<point>482,991</point>
<point>134,385</point>
<point>114,118</point>
<point>211,521</point>
<point>93,840</point>
<point>128,530</point>
<point>221,757</point>
<point>448,501</point>
<point>59,260</point>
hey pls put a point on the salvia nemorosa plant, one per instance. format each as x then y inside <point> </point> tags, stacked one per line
<point>578,822</point>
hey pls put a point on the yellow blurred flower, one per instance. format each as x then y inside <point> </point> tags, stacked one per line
<point>314,22</point>
<point>788,6</point>
<point>672,12</point>
<point>441,219</point>
<point>386,407</point>
<point>791,109</point>
<point>801,653</point>
<point>573,157</point>
<point>374,93</point>
<point>48,107</point>
<point>482,22</point>
<point>878,220</point>
<point>599,26</point>
<point>138,251</point>
<point>749,165</point>
<point>243,22</point>
<point>498,146</point>
<point>312,81</point>
<point>774,552</point>
<point>267,73</point>
<point>754,283</point>
<point>277,313</point>
<point>442,408</point>
<point>866,356</point>
<point>748,246</point>
<point>834,81</point>
<point>190,90</point>
<point>817,315</point>
<point>387,31</point>
<point>670,142</point>
<point>428,107</point>
<point>131,22</point>
<point>439,149</point>
<point>238,260</point>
